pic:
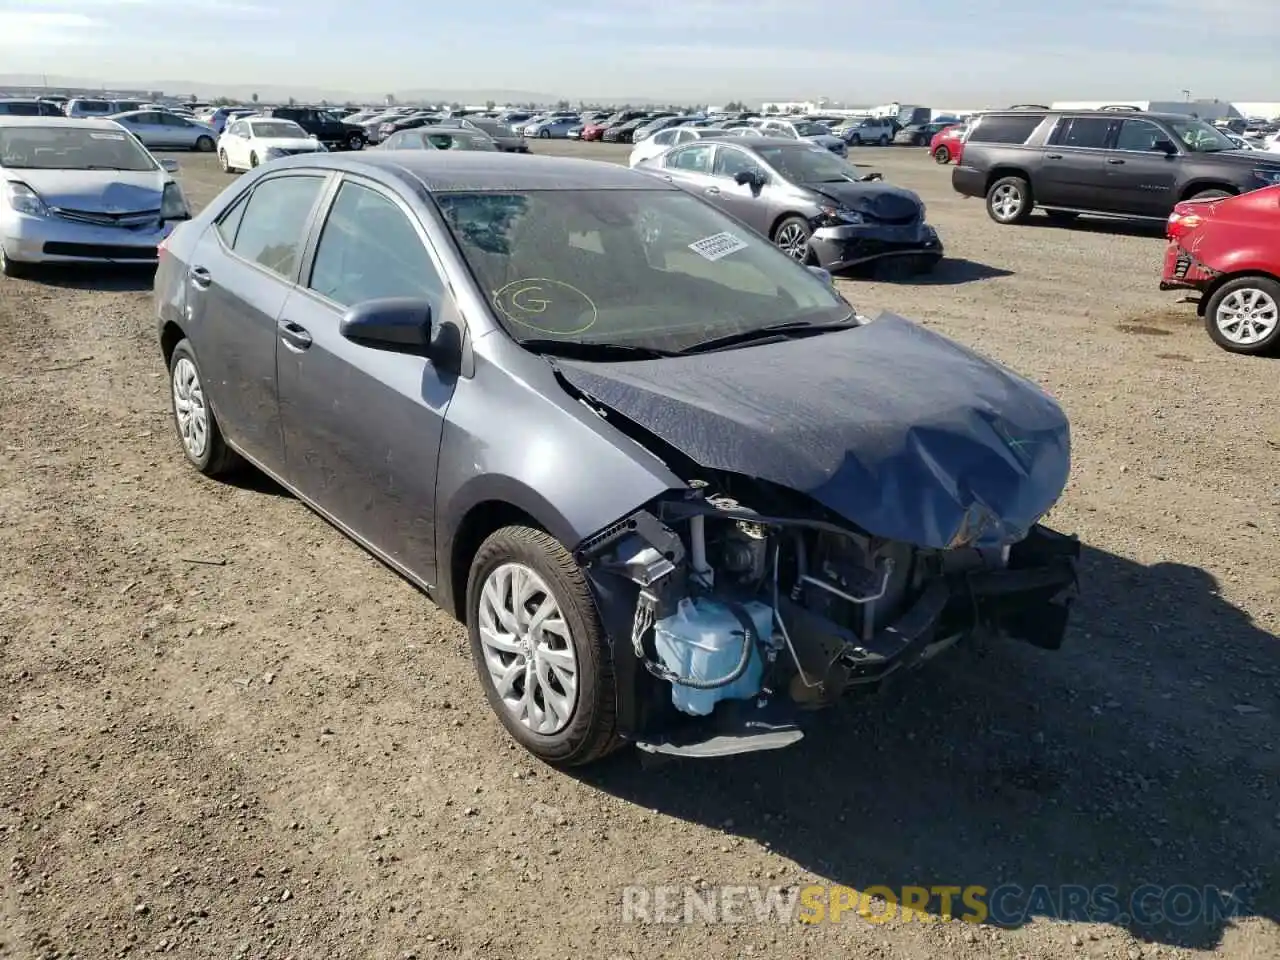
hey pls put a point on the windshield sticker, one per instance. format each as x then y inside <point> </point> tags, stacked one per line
<point>719,246</point>
<point>547,306</point>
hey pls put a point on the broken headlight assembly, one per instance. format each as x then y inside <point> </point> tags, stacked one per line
<point>730,610</point>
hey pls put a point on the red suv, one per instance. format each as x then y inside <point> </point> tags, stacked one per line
<point>948,143</point>
<point>1229,250</point>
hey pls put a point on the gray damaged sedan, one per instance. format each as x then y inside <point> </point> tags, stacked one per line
<point>818,208</point>
<point>679,491</point>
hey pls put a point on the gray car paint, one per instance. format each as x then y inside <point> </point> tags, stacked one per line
<point>399,452</point>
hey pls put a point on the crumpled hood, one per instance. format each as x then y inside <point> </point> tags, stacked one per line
<point>874,198</point>
<point>901,431</point>
<point>826,140</point>
<point>96,191</point>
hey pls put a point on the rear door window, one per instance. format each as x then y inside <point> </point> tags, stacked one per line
<point>272,232</point>
<point>1006,128</point>
<point>695,158</point>
<point>1086,132</point>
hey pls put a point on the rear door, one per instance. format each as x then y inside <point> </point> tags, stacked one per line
<point>240,274</point>
<point>1141,179</point>
<point>1073,171</point>
<point>362,427</point>
<point>689,167</point>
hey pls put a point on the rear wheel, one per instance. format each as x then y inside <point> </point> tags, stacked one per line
<point>197,427</point>
<point>205,144</point>
<point>884,139</point>
<point>1009,200</point>
<point>222,161</point>
<point>544,134</point>
<point>253,160</point>
<point>355,142</point>
<point>1213,194</point>
<point>541,653</point>
<point>1243,315</point>
<point>942,155</point>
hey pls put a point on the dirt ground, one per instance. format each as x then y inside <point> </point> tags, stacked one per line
<point>225,731</point>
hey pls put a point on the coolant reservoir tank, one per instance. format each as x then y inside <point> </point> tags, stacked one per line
<point>703,641</point>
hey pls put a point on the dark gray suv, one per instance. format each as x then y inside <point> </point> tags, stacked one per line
<point>1109,162</point>
<point>675,486</point>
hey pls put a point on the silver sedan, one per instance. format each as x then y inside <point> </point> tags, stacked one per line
<point>159,129</point>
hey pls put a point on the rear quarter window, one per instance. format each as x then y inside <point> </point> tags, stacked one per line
<point>1008,128</point>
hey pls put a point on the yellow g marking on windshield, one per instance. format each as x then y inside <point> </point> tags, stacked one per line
<point>547,306</point>
<point>530,306</point>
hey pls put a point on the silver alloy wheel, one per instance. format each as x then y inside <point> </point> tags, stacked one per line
<point>1246,316</point>
<point>189,408</point>
<point>1006,201</point>
<point>527,648</point>
<point>792,241</point>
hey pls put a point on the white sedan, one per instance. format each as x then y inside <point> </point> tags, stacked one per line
<point>664,140</point>
<point>249,141</point>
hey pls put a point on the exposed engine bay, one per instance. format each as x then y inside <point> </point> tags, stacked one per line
<point>730,620</point>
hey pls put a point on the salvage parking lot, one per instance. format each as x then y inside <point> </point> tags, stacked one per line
<point>229,732</point>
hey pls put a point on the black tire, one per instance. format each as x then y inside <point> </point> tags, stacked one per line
<point>855,140</point>
<point>1213,194</point>
<point>544,134</point>
<point>355,142</point>
<point>591,732</point>
<point>222,161</point>
<point>205,145</point>
<point>216,459</point>
<point>1062,217</point>
<point>1009,200</point>
<point>12,268</point>
<point>253,159</point>
<point>785,238</point>
<point>942,155</point>
<point>1267,287</point>
<point>885,139</point>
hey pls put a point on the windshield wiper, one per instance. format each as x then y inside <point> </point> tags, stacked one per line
<point>769,332</point>
<point>593,350</point>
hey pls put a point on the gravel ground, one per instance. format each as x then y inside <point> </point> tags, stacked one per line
<point>225,731</point>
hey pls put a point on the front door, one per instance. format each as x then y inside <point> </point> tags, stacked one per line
<point>239,277</point>
<point>362,427</point>
<point>746,202</point>
<point>1141,177</point>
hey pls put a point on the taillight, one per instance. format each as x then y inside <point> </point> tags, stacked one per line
<point>1181,224</point>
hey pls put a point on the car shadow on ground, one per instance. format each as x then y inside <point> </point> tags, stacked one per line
<point>1153,229</point>
<point>951,271</point>
<point>118,279</point>
<point>1142,753</point>
<point>252,480</point>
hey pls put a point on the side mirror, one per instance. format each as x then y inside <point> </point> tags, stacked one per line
<point>394,324</point>
<point>754,179</point>
<point>168,164</point>
<point>824,275</point>
<point>1165,146</point>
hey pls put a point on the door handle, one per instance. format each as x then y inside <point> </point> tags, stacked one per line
<point>294,336</point>
<point>713,190</point>
<point>1053,156</point>
<point>200,277</point>
<point>1114,161</point>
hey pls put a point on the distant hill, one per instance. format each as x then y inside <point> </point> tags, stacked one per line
<point>280,93</point>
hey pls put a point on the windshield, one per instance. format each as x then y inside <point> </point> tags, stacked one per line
<point>808,129</point>
<point>807,164</point>
<point>281,129</point>
<point>651,269</point>
<point>1201,137</point>
<point>69,148</point>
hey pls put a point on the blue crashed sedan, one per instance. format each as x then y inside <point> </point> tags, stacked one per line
<point>680,492</point>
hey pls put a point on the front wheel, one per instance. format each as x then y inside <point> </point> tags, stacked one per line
<point>855,140</point>
<point>884,139</point>
<point>544,134</point>
<point>253,160</point>
<point>1210,195</point>
<point>222,161</point>
<point>355,142</point>
<point>1009,200</point>
<point>197,427</point>
<point>205,144</point>
<point>942,155</point>
<point>1243,315</point>
<point>539,648</point>
<point>792,238</point>
<point>11,268</point>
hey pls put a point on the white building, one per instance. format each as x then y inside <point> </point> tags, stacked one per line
<point>1263,108</point>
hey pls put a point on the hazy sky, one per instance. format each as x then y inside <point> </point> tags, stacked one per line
<point>959,52</point>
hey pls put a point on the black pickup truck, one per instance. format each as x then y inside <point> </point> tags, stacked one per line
<point>327,127</point>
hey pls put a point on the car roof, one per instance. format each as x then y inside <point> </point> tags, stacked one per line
<point>750,142</point>
<point>1140,114</point>
<point>81,123</point>
<point>451,170</point>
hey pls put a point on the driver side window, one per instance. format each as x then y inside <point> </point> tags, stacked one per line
<point>1139,135</point>
<point>730,161</point>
